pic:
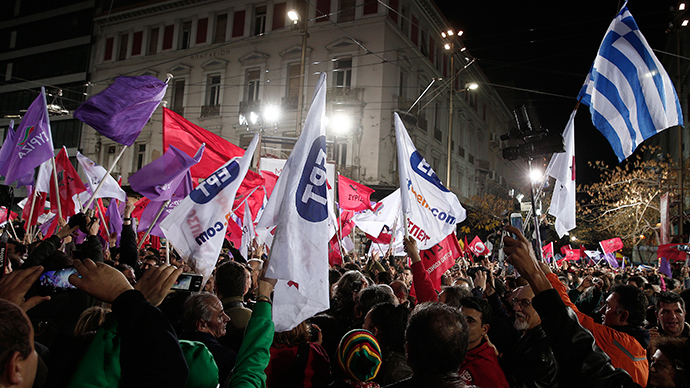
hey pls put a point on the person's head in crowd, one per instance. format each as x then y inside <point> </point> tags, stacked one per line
<point>510,284</point>
<point>387,322</point>
<point>451,295</point>
<point>18,357</point>
<point>223,257</point>
<point>666,366</point>
<point>203,312</point>
<point>406,276</point>
<point>371,296</point>
<point>463,283</point>
<point>232,279</point>
<point>153,251</point>
<point>477,312</point>
<point>565,281</point>
<point>162,252</point>
<point>384,278</point>
<point>299,334</point>
<point>90,320</point>
<point>625,306</point>
<point>436,339</point>
<point>149,261</point>
<point>255,266</point>
<point>352,266</point>
<point>359,356</point>
<point>348,286</point>
<point>400,291</point>
<point>128,272</point>
<point>142,253</point>
<point>670,313</point>
<point>526,317</point>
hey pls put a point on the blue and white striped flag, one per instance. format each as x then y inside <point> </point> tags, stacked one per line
<point>628,91</point>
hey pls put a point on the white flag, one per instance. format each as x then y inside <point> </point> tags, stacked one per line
<point>562,167</point>
<point>386,212</point>
<point>94,174</point>
<point>45,173</point>
<point>197,226</point>
<point>248,232</point>
<point>432,210</point>
<point>298,208</point>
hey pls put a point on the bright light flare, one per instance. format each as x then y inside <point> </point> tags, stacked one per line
<point>272,113</point>
<point>446,46</point>
<point>253,117</point>
<point>294,16</point>
<point>472,86</point>
<point>535,175</point>
<point>340,123</point>
<point>685,23</point>
<point>681,7</point>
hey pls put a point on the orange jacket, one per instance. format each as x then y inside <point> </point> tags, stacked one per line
<point>623,349</point>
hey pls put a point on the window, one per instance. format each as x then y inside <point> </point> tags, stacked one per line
<point>252,86</point>
<point>178,96</point>
<point>168,37</point>
<point>293,85</point>
<point>341,154</point>
<point>260,20</point>
<point>393,11</point>
<point>221,28</point>
<point>347,10</point>
<point>139,157</point>
<point>425,40</point>
<point>342,73</point>
<point>108,55</point>
<point>122,49</point>
<point>201,29</point>
<point>323,10</point>
<point>279,12</point>
<point>238,24</point>
<point>185,35</point>
<point>471,159</point>
<point>213,90</point>
<point>370,7</point>
<point>414,30</point>
<point>404,19</point>
<point>137,42</point>
<point>153,41</point>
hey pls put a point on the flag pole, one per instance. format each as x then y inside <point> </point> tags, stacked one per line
<point>153,223</point>
<point>57,189</point>
<point>167,251</point>
<point>14,232</point>
<point>102,217</point>
<point>31,215</point>
<point>100,184</point>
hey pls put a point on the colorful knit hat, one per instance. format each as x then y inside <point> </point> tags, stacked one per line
<point>359,355</point>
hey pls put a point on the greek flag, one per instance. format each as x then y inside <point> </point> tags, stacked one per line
<point>628,91</point>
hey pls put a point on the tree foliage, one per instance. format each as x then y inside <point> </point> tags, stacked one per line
<point>487,211</point>
<point>625,203</point>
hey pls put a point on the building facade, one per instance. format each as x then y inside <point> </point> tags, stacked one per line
<point>236,69</point>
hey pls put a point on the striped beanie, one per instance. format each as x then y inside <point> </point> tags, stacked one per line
<point>359,355</point>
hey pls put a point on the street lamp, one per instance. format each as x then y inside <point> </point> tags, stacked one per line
<point>295,17</point>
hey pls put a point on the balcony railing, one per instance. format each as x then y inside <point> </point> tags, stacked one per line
<point>289,103</point>
<point>344,95</point>
<point>210,111</point>
<point>250,106</point>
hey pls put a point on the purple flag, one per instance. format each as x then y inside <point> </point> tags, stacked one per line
<point>611,259</point>
<point>7,145</point>
<point>121,110</point>
<point>33,144</point>
<point>115,220</point>
<point>665,267</point>
<point>183,189</point>
<point>159,179</point>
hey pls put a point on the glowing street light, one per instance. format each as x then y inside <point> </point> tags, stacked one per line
<point>471,86</point>
<point>535,175</point>
<point>271,114</point>
<point>294,16</point>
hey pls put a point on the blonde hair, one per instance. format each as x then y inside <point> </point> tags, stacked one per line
<point>90,320</point>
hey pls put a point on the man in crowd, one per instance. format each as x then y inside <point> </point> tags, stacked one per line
<point>480,366</point>
<point>232,283</point>
<point>530,363</point>
<point>19,359</point>
<point>670,315</point>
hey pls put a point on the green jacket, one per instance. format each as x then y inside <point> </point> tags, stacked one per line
<point>254,353</point>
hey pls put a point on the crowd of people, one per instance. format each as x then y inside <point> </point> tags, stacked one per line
<point>534,326</point>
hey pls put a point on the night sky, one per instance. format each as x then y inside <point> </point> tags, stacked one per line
<point>549,46</point>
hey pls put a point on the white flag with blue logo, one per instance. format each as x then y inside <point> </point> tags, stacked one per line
<point>629,94</point>
<point>298,208</point>
<point>432,210</point>
<point>196,227</point>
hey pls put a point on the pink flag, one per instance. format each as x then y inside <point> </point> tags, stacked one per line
<point>353,195</point>
<point>611,245</point>
<point>478,247</point>
<point>440,258</point>
<point>547,251</point>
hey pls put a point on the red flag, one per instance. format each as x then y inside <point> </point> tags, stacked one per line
<point>69,184</point>
<point>335,257</point>
<point>383,238</point>
<point>583,255</point>
<point>440,258</point>
<point>353,195</point>
<point>270,180</point>
<point>100,210</point>
<point>234,233</point>
<point>139,207</point>
<point>671,252</point>
<point>346,223</point>
<point>611,245</point>
<point>467,247</point>
<point>39,208</point>
<point>547,251</point>
<point>251,186</point>
<point>188,137</point>
<point>3,215</point>
<point>478,247</point>
<point>572,254</point>
<point>565,248</point>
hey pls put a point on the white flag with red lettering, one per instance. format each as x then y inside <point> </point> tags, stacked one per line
<point>298,208</point>
<point>432,210</point>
